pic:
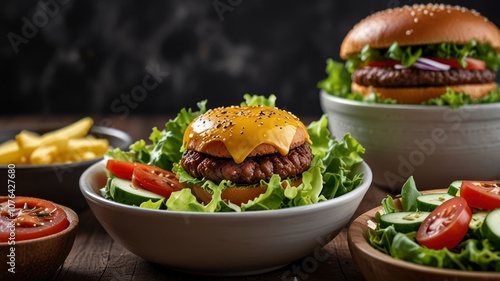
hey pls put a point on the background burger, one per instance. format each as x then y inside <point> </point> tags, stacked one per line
<point>245,145</point>
<point>414,54</point>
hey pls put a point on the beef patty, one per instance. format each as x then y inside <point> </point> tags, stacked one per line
<point>413,77</point>
<point>252,170</point>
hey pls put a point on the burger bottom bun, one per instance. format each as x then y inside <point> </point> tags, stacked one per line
<point>416,95</point>
<point>218,148</point>
<point>237,195</point>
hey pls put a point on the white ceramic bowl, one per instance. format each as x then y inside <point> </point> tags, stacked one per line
<point>222,243</point>
<point>435,144</point>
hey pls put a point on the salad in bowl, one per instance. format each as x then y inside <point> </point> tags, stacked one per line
<point>253,156</point>
<point>455,228</point>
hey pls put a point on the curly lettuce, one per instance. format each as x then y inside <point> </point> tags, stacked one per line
<point>408,55</point>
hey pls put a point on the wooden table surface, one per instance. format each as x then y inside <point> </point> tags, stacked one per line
<point>95,255</point>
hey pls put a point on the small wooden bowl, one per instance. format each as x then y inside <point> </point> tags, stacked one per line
<point>376,265</point>
<point>39,259</point>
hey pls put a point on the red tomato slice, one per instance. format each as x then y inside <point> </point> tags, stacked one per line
<point>156,180</point>
<point>476,64</point>
<point>382,63</point>
<point>122,169</point>
<point>446,226</point>
<point>24,218</point>
<point>472,63</point>
<point>481,194</point>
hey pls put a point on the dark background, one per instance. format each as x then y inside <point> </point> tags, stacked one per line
<point>83,57</point>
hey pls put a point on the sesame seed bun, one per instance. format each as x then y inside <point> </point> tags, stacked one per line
<point>420,25</point>
<point>244,131</point>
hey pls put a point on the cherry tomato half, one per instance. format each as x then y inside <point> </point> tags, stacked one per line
<point>25,218</point>
<point>481,194</point>
<point>156,180</point>
<point>446,226</point>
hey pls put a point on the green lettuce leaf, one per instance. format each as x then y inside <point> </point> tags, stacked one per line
<point>270,200</point>
<point>472,254</point>
<point>309,191</point>
<point>167,144</point>
<point>388,205</point>
<point>252,100</point>
<point>157,205</point>
<point>320,136</point>
<point>457,99</point>
<point>409,194</point>
<point>469,255</point>
<point>338,81</point>
<point>409,54</point>
<point>121,155</point>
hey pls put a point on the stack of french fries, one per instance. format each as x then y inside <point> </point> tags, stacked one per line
<point>65,145</point>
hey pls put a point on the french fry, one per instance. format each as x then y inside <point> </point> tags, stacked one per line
<point>9,152</point>
<point>88,144</point>
<point>86,148</point>
<point>67,144</point>
<point>28,141</point>
<point>79,129</point>
<point>44,155</point>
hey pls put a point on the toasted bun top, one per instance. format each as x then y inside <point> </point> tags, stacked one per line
<point>419,25</point>
<point>242,131</point>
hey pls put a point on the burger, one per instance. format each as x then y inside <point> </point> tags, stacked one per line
<point>245,146</point>
<point>417,53</point>
<point>249,157</point>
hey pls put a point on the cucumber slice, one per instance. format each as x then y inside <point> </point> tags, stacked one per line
<point>491,228</point>
<point>403,221</point>
<point>123,191</point>
<point>429,202</point>
<point>454,188</point>
<point>476,223</point>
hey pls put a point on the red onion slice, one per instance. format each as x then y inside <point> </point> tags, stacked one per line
<point>426,64</point>
<point>432,64</point>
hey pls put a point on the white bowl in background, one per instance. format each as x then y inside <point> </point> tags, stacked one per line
<point>435,144</point>
<point>222,243</point>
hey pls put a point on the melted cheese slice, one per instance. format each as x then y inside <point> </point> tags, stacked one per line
<point>242,128</point>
